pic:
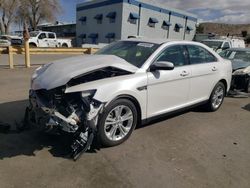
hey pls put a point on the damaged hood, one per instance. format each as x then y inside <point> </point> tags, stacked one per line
<point>239,64</point>
<point>60,72</point>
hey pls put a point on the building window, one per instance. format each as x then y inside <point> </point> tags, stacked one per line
<point>166,25</point>
<point>133,17</point>
<point>111,16</point>
<point>99,18</point>
<point>94,38</point>
<point>83,20</point>
<point>189,29</point>
<point>178,27</point>
<point>83,38</point>
<point>110,37</point>
<point>152,22</point>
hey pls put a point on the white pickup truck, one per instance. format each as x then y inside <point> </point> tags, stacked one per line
<point>47,39</point>
<point>219,45</point>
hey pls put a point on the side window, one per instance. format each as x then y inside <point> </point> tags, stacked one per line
<point>52,36</point>
<point>42,36</point>
<point>198,55</point>
<point>175,55</point>
<point>226,45</point>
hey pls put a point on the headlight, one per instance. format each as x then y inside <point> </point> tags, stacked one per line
<point>88,93</point>
<point>242,71</point>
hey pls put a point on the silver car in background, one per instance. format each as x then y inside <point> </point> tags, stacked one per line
<point>106,95</point>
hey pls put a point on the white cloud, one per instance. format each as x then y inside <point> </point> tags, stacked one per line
<point>229,11</point>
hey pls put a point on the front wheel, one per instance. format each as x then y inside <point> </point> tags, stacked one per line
<point>65,45</point>
<point>216,98</point>
<point>117,122</point>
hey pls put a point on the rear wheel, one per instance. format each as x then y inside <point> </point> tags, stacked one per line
<point>65,45</point>
<point>216,98</point>
<point>117,122</point>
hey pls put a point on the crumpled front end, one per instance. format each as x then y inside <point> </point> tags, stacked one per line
<point>241,79</point>
<point>76,113</point>
<point>240,82</point>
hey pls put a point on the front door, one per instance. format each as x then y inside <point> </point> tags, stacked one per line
<point>168,90</point>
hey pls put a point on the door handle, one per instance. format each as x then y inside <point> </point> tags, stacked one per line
<point>184,73</point>
<point>214,69</point>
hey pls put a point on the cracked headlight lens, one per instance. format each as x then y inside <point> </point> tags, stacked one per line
<point>242,71</point>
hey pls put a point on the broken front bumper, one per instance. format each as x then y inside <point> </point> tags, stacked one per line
<point>240,82</point>
<point>51,113</point>
<point>45,115</point>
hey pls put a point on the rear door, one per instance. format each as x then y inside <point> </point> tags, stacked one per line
<point>52,40</point>
<point>205,73</point>
<point>168,89</point>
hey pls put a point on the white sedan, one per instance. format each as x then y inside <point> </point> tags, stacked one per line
<point>124,84</point>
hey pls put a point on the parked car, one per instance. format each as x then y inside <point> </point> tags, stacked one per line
<point>125,83</point>
<point>7,40</point>
<point>4,41</point>
<point>219,45</point>
<point>241,67</point>
<point>47,39</point>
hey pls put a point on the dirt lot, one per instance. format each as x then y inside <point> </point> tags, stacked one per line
<point>191,149</point>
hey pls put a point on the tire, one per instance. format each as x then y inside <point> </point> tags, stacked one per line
<point>32,45</point>
<point>64,45</point>
<point>217,97</point>
<point>110,123</point>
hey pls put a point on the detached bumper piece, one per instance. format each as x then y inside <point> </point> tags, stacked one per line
<point>56,112</point>
<point>240,82</point>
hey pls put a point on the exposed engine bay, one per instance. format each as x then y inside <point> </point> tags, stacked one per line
<point>77,113</point>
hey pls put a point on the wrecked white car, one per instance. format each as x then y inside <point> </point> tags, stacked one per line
<point>126,83</point>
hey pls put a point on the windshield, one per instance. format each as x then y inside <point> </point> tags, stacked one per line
<point>233,54</point>
<point>213,44</point>
<point>133,52</point>
<point>33,34</point>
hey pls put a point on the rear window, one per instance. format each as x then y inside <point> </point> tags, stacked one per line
<point>52,35</point>
<point>198,55</point>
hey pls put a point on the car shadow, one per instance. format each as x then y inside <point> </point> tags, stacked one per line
<point>28,142</point>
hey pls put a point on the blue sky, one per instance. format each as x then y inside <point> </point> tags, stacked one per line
<point>224,11</point>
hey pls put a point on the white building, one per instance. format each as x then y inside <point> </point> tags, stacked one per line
<point>103,21</point>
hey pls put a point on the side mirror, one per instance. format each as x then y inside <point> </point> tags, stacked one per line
<point>162,65</point>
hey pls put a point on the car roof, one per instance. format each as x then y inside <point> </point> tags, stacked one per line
<point>159,41</point>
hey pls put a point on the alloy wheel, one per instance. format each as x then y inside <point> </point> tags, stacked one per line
<point>118,123</point>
